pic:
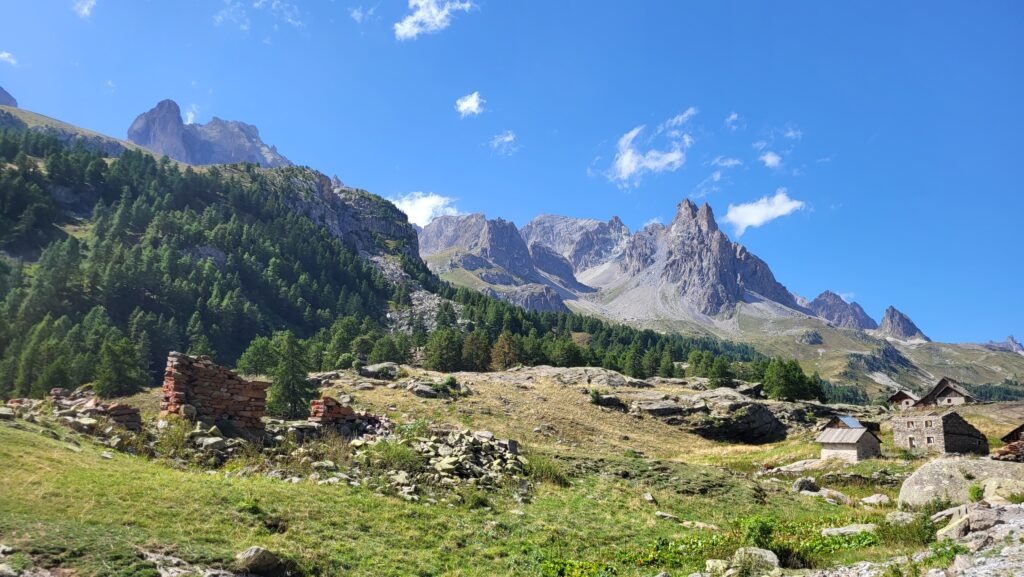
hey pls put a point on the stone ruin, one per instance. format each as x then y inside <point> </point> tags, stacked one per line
<point>83,404</point>
<point>199,390</point>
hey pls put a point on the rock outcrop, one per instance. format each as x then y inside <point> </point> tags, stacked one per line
<point>6,99</point>
<point>899,326</point>
<point>831,307</point>
<point>1010,345</point>
<point>533,297</point>
<point>584,242</point>
<point>162,131</point>
<point>950,478</point>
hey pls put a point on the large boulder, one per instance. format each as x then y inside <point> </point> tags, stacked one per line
<point>259,561</point>
<point>384,371</point>
<point>950,477</point>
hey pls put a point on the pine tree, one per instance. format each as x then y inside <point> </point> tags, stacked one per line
<point>290,393</point>
<point>505,353</point>
<point>720,374</point>
<point>443,351</point>
<point>120,371</point>
<point>384,350</point>
<point>666,368</point>
<point>259,358</point>
<point>476,351</point>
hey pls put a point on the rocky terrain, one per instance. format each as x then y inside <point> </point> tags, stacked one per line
<point>831,307</point>
<point>163,131</point>
<point>899,326</point>
<point>6,99</point>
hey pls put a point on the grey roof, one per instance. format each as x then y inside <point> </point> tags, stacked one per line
<point>842,436</point>
<point>901,393</point>
<point>943,385</point>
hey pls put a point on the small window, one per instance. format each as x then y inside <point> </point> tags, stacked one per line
<point>927,424</point>
<point>930,440</point>
<point>949,401</point>
<point>912,442</point>
<point>910,424</point>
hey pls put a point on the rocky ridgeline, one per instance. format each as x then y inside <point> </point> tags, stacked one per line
<point>199,390</point>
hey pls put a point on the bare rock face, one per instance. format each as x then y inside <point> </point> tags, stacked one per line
<point>546,260</point>
<point>709,272</point>
<point>584,242</point>
<point>6,99</point>
<point>1010,345</point>
<point>533,296</point>
<point>162,130</point>
<point>898,325</point>
<point>831,307</point>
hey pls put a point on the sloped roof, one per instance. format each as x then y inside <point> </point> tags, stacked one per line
<point>942,386</point>
<point>850,421</point>
<point>842,436</point>
<point>1014,435</point>
<point>902,394</point>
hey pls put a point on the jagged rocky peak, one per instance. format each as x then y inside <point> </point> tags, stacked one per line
<point>833,308</point>
<point>711,272</point>
<point>1010,345</point>
<point>6,99</point>
<point>584,242</point>
<point>496,241</point>
<point>162,130</point>
<point>899,326</point>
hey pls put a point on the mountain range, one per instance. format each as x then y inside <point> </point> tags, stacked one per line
<point>688,276</point>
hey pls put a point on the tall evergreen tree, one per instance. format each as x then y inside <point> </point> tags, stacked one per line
<point>290,393</point>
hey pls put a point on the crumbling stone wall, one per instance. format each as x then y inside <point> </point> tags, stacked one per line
<point>200,390</point>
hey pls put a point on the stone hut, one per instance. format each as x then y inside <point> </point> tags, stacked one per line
<point>851,444</point>
<point>947,393</point>
<point>935,432</point>
<point>902,400</point>
<point>1014,435</point>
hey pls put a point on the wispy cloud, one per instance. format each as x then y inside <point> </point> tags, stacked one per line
<point>733,122</point>
<point>653,220</point>
<point>423,207</point>
<point>233,12</point>
<point>9,58</point>
<point>428,17</point>
<point>709,185</point>
<point>83,7</point>
<point>770,159</point>
<point>470,105</point>
<point>762,211</point>
<point>111,86</point>
<point>284,11</point>
<point>631,163</point>
<point>793,133</point>
<point>360,14</point>
<point>191,114</point>
<point>848,296</point>
<point>677,120</point>
<point>504,143</point>
<point>726,162</point>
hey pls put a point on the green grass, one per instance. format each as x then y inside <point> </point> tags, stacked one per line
<point>76,510</point>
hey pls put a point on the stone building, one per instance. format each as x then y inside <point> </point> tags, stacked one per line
<point>936,432</point>
<point>849,444</point>
<point>947,393</point>
<point>902,400</point>
<point>1014,435</point>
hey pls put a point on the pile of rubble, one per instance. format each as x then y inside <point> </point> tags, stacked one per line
<point>80,409</point>
<point>1010,452</point>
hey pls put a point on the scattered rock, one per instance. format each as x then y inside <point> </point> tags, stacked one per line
<point>876,499</point>
<point>423,390</point>
<point>805,484</point>
<point>258,560</point>
<point>900,518</point>
<point>650,498</point>
<point>6,414</point>
<point>385,371</point>
<point>666,516</point>
<point>754,560</point>
<point>848,530</point>
<point>950,477</point>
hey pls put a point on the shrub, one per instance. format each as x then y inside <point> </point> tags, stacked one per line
<point>943,552</point>
<point>566,568</point>
<point>975,493</point>
<point>387,455</point>
<point>758,531</point>
<point>1017,498</point>
<point>919,532</point>
<point>173,439</point>
<point>688,551</point>
<point>346,361</point>
<point>595,396</point>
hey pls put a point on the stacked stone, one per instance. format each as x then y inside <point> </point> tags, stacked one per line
<point>198,389</point>
<point>1010,452</point>
<point>328,411</point>
<point>125,416</point>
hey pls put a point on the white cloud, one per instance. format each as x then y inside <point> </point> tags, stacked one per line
<point>793,133</point>
<point>470,105</point>
<point>429,16</point>
<point>760,145</point>
<point>726,162</point>
<point>765,210</point>
<point>848,297</point>
<point>733,122</point>
<point>9,58</point>
<point>281,10</point>
<point>360,14</point>
<point>191,113</point>
<point>650,221</point>
<point>233,12</point>
<point>505,143</point>
<point>708,185</point>
<point>423,207</point>
<point>111,86</point>
<point>630,163</point>
<point>678,120</point>
<point>770,159</point>
<point>83,7</point>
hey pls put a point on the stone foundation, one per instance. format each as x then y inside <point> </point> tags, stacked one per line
<point>200,390</point>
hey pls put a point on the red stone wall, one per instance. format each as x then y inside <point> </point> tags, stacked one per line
<point>198,389</point>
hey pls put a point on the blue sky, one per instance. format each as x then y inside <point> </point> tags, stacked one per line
<point>870,148</point>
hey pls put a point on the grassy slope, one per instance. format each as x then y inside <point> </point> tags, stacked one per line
<point>38,121</point>
<point>90,514</point>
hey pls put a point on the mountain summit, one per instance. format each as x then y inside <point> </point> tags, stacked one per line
<point>6,99</point>
<point>899,326</point>
<point>831,307</point>
<point>162,130</point>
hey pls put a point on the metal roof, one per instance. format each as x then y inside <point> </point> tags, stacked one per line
<point>842,436</point>
<point>850,421</point>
